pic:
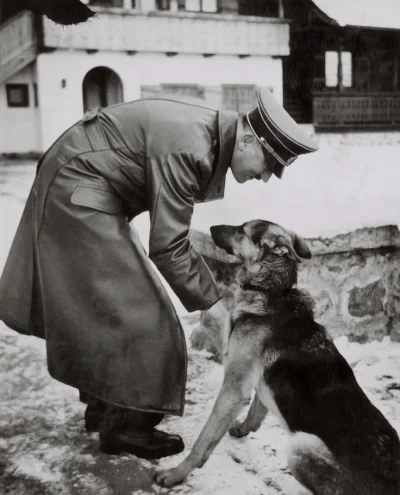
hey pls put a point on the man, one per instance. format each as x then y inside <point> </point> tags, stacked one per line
<point>78,276</point>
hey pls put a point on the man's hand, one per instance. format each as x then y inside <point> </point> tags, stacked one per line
<point>221,315</point>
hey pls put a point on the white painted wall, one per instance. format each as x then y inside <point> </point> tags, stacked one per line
<point>335,190</point>
<point>66,105</point>
<point>19,127</point>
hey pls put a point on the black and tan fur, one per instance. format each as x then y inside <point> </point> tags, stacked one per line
<point>339,443</point>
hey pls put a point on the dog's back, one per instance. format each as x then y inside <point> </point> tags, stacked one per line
<point>316,392</point>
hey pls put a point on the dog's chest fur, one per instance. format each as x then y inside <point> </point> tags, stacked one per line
<point>250,303</point>
<point>275,310</point>
<point>278,322</point>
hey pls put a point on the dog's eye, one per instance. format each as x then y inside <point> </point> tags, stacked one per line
<point>265,252</point>
<point>229,250</point>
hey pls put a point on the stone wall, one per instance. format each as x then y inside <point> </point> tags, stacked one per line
<point>354,279</point>
<point>349,137</point>
<point>360,138</point>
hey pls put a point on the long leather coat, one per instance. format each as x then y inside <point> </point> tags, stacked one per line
<point>77,274</point>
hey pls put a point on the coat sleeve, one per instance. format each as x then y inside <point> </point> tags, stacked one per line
<point>173,181</point>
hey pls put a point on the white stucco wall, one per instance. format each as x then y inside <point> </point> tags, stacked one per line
<point>65,106</point>
<point>20,127</point>
<point>338,189</point>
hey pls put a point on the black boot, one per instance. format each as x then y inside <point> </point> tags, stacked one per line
<point>93,417</point>
<point>152,444</point>
<point>94,411</point>
<point>123,430</point>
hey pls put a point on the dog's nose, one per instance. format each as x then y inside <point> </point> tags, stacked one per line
<point>216,230</point>
<point>220,237</point>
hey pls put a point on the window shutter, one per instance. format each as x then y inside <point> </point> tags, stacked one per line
<point>239,98</point>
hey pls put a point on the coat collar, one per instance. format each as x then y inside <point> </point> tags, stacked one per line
<point>227,127</point>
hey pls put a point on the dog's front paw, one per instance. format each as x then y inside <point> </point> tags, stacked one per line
<point>239,430</point>
<point>171,477</point>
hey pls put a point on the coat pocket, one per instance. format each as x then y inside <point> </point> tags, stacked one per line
<point>96,198</point>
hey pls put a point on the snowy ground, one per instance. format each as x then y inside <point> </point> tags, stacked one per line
<point>44,449</point>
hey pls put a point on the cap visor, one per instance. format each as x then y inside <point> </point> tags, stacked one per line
<point>278,170</point>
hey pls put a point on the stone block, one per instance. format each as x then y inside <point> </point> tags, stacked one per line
<point>368,300</point>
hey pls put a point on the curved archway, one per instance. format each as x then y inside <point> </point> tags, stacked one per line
<point>101,87</point>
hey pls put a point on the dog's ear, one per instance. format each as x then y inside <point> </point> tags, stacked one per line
<point>300,246</point>
<point>285,248</point>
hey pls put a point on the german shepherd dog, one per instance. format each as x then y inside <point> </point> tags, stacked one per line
<point>339,443</point>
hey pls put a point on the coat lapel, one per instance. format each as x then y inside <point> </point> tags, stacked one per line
<point>227,123</point>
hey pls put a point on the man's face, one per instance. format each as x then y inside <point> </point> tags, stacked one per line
<point>249,162</point>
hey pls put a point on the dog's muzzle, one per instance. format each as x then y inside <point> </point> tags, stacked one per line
<point>222,235</point>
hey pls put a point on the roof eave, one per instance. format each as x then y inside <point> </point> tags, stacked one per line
<point>324,17</point>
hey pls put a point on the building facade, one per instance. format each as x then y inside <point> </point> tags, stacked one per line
<point>343,72</point>
<point>217,50</point>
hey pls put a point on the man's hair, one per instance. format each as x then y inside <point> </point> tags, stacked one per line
<point>245,123</point>
<point>243,119</point>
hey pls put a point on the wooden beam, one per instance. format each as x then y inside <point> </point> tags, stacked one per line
<point>396,53</point>
<point>281,10</point>
<point>340,69</point>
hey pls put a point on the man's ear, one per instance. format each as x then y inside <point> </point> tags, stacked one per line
<point>244,140</point>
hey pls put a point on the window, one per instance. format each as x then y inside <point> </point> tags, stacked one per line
<point>240,98</point>
<point>264,8</point>
<point>193,90</point>
<point>163,4</point>
<point>199,5</point>
<point>17,95</point>
<point>193,5</point>
<point>332,69</point>
<point>347,69</point>
<point>35,95</point>
<point>106,3</point>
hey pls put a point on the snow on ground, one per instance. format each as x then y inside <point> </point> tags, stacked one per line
<point>44,449</point>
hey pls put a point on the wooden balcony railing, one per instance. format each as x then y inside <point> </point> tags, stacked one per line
<point>177,32</point>
<point>356,109</point>
<point>18,44</point>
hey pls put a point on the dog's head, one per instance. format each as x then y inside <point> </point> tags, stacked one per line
<point>269,253</point>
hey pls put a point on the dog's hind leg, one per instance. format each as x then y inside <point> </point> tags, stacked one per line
<point>314,466</point>
<point>253,421</point>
